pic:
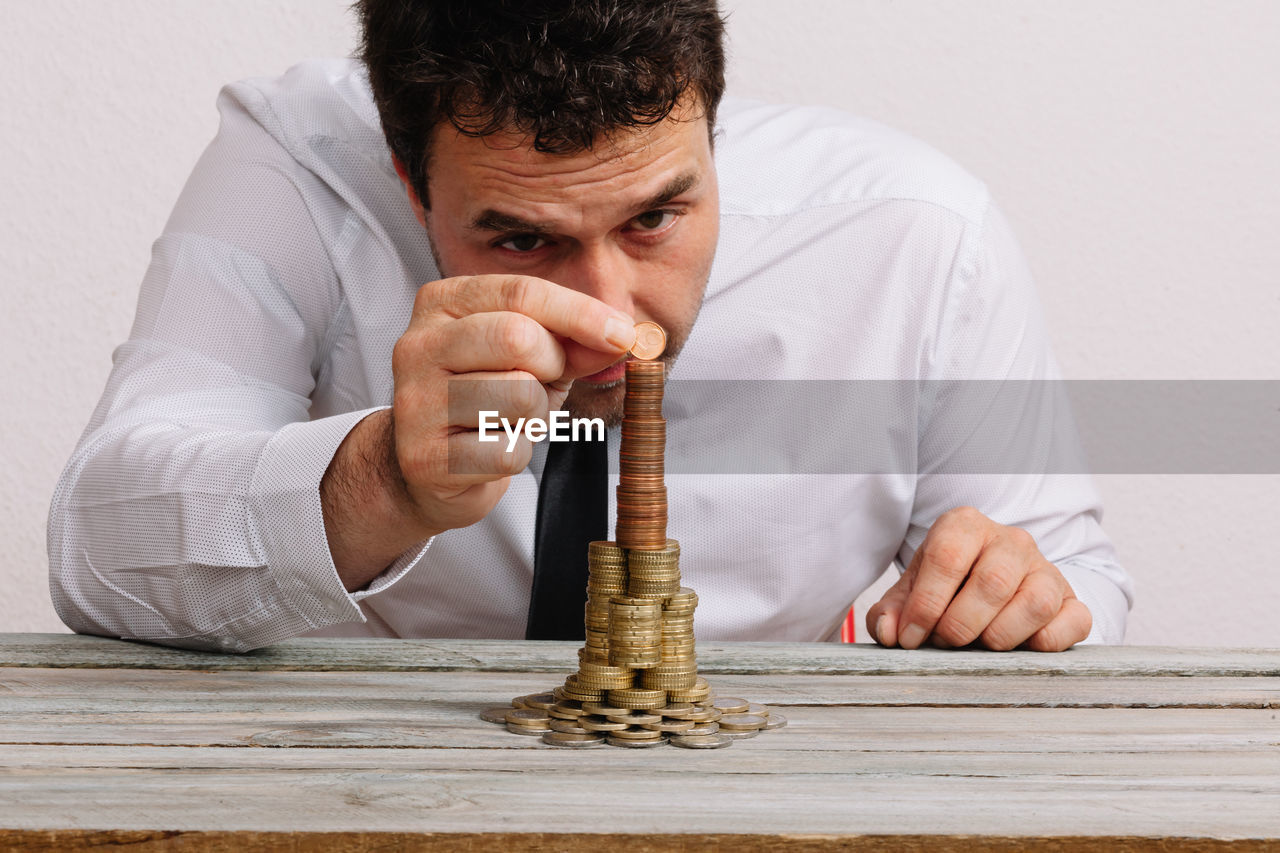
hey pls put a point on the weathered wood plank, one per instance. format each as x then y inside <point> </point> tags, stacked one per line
<point>979,755</point>
<point>61,691</point>
<point>444,716</point>
<point>66,650</point>
<point>149,841</point>
<point>698,793</point>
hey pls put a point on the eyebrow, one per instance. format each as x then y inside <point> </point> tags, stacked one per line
<point>496,220</point>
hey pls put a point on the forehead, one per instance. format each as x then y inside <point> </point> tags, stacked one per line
<point>471,173</point>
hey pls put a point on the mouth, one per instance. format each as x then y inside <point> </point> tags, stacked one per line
<point>612,373</point>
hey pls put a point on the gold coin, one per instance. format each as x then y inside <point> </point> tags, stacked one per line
<point>541,701</point>
<point>571,740</point>
<point>670,726</point>
<point>636,744</point>
<point>742,722</point>
<point>732,706</point>
<point>651,340</point>
<point>600,724</point>
<point>494,715</point>
<point>637,734</point>
<point>570,727</point>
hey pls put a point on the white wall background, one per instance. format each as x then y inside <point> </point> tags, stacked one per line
<point>1134,144</point>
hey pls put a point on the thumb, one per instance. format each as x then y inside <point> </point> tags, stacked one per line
<point>557,392</point>
<point>882,618</point>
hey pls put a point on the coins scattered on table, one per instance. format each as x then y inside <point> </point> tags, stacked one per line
<point>637,683</point>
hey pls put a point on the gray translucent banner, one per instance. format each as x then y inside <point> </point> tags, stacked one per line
<point>973,427</point>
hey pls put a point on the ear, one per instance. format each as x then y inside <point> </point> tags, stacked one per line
<point>414,202</point>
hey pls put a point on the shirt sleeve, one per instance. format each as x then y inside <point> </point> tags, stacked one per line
<point>996,431</point>
<point>189,513</point>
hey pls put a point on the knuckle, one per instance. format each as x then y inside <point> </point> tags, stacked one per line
<point>947,556</point>
<point>403,353</point>
<point>1020,539</point>
<point>927,603</point>
<point>953,631</point>
<point>995,583</point>
<point>999,640</point>
<point>961,515</point>
<point>1041,604</point>
<point>515,337</point>
<point>524,393</point>
<point>429,296</point>
<point>510,464</point>
<point>517,293</point>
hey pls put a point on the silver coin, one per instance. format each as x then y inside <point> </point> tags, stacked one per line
<point>716,741</point>
<point>776,721</point>
<point>739,735</point>
<point>703,729</point>
<point>495,715</point>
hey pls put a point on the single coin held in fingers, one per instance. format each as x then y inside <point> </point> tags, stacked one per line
<point>651,340</point>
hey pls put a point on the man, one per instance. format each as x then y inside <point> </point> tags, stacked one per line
<point>278,451</point>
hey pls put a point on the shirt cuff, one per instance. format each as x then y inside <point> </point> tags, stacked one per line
<point>1107,602</point>
<point>284,501</point>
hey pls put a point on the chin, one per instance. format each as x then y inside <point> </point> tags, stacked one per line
<point>602,401</point>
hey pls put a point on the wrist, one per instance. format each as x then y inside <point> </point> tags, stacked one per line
<point>370,518</point>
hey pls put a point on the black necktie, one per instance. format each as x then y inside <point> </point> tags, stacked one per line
<point>573,509</point>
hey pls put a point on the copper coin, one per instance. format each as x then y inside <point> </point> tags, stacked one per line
<point>651,340</point>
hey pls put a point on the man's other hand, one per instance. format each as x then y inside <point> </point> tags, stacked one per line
<point>973,580</point>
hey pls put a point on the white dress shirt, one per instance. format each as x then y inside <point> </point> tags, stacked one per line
<point>189,514</point>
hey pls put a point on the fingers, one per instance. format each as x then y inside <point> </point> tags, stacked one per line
<point>1072,625</point>
<point>942,564</point>
<point>1001,574</point>
<point>560,310</point>
<point>1035,604</point>
<point>498,341</point>
<point>882,617</point>
<point>512,395</point>
<point>975,580</point>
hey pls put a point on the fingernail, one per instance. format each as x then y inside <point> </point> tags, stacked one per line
<point>911,636</point>
<point>880,630</point>
<point>619,332</point>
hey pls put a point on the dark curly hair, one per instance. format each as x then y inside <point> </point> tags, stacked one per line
<point>564,72</point>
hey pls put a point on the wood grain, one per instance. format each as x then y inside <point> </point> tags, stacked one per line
<point>39,841</point>
<point>71,650</point>
<point>105,743</point>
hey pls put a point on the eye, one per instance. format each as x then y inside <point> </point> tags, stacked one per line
<point>523,243</point>
<point>654,220</point>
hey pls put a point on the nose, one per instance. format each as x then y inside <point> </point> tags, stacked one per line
<point>604,271</point>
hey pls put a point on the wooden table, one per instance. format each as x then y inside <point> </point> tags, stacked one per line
<point>376,745</point>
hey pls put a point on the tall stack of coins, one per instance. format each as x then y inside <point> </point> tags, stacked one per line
<point>642,491</point>
<point>637,683</point>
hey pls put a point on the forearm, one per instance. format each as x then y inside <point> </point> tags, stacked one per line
<point>365,504</point>
<point>201,535</point>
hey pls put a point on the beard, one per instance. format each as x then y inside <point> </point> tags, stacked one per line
<point>605,401</point>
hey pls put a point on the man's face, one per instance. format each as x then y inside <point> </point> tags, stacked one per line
<point>632,222</point>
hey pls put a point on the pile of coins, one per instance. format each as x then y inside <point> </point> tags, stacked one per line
<point>637,683</point>
<point>569,723</point>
